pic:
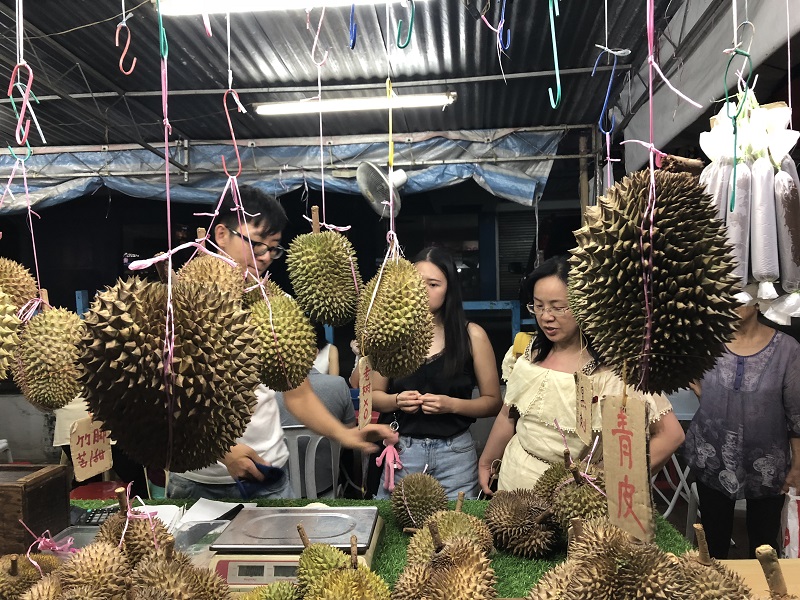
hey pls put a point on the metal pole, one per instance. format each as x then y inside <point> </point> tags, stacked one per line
<point>583,165</point>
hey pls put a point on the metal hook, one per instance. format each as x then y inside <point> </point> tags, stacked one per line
<point>22,138</point>
<point>230,127</point>
<point>124,50</point>
<point>554,102</point>
<point>608,93</point>
<point>410,28</point>
<point>29,152</point>
<point>353,27</point>
<point>507,43</point>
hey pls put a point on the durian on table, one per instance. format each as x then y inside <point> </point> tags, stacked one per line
<point>522,523</point>
<point>415,498</point>
<point>692,281</point>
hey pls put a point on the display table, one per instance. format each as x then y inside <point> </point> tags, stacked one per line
<point>515,576</point>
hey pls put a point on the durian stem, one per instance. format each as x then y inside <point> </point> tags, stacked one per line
<point>122,498</point>
<point>702,545</point>
<point>303,537</point>
<point>542,516</point>
<point>169,548</point>
<point>567,459</point>
<point>768,558</point>
<point>44,296</point>
<point>315,219</point>
<point>460,501</point>
<point>201,235</point>
<point>353,548</point>
<point>13,569</point>
<point>575,531</point>
<point>438,543</point>
<point>162,269</point>
<point>411,530</point>
<point>576,473</point>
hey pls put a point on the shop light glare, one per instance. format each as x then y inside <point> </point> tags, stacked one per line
<point>199,7</point>
<point>312,106</point>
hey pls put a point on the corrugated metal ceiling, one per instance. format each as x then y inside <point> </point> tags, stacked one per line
<point>272,51</point>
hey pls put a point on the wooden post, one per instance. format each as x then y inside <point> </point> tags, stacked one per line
<point>583,165</point>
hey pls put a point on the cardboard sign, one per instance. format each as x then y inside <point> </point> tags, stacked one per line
<point>630,505</point>
<point>365,392</point>
<point>584,392</point>
<point>90,446</point>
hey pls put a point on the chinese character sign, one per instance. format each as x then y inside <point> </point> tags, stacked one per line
<point>626,469</point>
<point>365,392</point>
<point>583,413</point>
<point>90,447</point>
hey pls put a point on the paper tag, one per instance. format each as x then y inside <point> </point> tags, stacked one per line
<point>90,446</point>
<point>365,392</point>
<point>584,392</point>
<point>630,505</point>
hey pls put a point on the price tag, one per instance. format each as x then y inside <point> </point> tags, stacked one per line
<point>365,392</point>
<point>630,505</point>
<point>90,446</point>
<point>584,392</point>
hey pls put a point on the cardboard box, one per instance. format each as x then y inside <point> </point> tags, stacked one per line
<point>37,494</point>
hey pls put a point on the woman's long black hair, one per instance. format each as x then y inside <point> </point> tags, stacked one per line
<point>456,337</point>
<point>559,267</point>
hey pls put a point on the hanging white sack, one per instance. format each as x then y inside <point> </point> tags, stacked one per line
<point>738,221</point>
<point>763,231</point>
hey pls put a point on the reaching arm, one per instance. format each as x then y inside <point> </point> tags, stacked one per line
<point>666,435</point>
<point>793,476</point>
<point>502,432</point>
<point>333,360</point>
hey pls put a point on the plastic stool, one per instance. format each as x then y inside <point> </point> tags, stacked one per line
<point>6,450</point>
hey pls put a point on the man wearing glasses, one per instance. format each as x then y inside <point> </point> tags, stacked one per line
<point>254,243</point>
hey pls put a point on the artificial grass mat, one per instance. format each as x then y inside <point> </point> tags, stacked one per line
<point>515,576</point>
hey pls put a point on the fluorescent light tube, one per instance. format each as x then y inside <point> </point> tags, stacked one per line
<point>198,7</point>
<point>312,106</point>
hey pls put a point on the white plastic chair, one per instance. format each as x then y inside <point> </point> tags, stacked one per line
<point>679,488</point>
<point>4,449</point>
<point>305,479</point>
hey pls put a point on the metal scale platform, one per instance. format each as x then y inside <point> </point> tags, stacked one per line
<point>261,545</point>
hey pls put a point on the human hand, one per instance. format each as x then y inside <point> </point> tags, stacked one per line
<point>354,347</point>
<point>434,404</point>
<point>409,401</point>
<point>240,462</point>
<point>696,388</point>
<point>485,476</point>
<point>361,439</point>
<point>792,480</point>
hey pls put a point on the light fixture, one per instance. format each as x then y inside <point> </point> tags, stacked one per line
<point>198,7</point>
<point>313,106</point>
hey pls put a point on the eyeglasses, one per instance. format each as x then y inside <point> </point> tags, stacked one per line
<point>538,311</point>
<point>259,248</point>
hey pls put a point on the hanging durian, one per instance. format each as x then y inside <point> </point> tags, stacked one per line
<point>315,561</point>
<point>9,324</point>
<point>324,275</point>
<point>521,523</point>
<point>692,282</point>
<point>99,565</point>
<point>48,588</point>
<point>353,581</point>
<point>286,340</point>
<point>47,370</point>
<point>280,590</point>
<point>395,328</point>
<point>451,524</point>
<point>415,498</point>
<point>17,282</point>
<point>579,498</point>
<point>707,577</point>
<point>210,270</point>
<point>215,367</point>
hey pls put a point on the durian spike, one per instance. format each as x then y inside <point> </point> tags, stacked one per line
<point>576,473</point>
<point>122,498</point>
<point>353,547</point>
<point>702,545</point>
<point>201,235</point>
<point>460,501</point>
<point>411,530</point>
<point>13,568</point>
<point>768,558</point>
<point>435,535</point>
<point>315,219</point>
<point>545,514</point>
<point>303,536</point>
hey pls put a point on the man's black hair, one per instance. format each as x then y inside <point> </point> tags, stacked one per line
<point>270,218</point>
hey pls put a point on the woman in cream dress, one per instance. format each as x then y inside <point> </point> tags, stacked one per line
<point>541,389</point>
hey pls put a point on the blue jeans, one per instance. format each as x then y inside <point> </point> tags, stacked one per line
<point>453,461</point>
<point>180,487</point>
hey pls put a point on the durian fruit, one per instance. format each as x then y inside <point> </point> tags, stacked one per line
<point>708,578</point>
<point>451,524</point>
<point>147,593</point>
<point>99,565</point>
<point>554,476</point>
<point>286,340</point>
<point>48,588</point>
<point>214,372</point>
<point>47,370</point>
<point>16,576</point>
<point>692,305</point>
<point>395,329</point>
<point>648,572</point>
<point>521,523</point>
<point>315,561</point>
<point>324,275</point>
<point>210,270</point>
<point>280,590</point>
<point>17,282</point>
<point>579,499</point>
<point>415,498</point>
<point>554,584</point>
<point>9,324</point>
<point>353,581</point>
<point>142,536</point>
<point>84,592</point>
<point>594,535</point>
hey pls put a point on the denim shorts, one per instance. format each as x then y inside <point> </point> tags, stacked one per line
<point>180,487</point>
<point>453,461</point>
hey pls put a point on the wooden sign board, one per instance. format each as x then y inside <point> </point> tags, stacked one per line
<point>90,446</point>
<point>584,392</point>
<point>365,392</point>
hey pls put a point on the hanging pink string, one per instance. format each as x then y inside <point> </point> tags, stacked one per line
<point>564,438</point>
<point>134,514</point>
<point>46,543</point>
<point>138,265</point>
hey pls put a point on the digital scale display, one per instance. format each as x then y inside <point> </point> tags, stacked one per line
<point>278,571</point>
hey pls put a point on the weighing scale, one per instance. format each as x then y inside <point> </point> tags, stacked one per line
<point>261,545</point>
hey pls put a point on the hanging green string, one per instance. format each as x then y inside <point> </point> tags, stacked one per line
<point>162,33</point>
<point>735,117</point>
